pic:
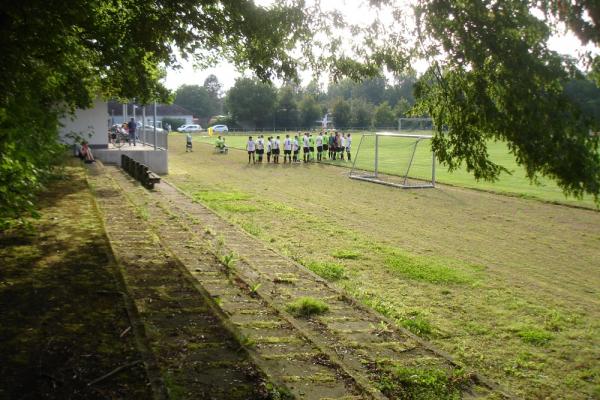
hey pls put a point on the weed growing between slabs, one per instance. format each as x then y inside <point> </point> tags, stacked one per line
<point>307,307</point>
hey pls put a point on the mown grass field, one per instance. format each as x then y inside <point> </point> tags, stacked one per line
<point>508,286</point>
<point>394,156</point>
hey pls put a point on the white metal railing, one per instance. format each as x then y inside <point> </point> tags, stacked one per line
<point>156,139</point>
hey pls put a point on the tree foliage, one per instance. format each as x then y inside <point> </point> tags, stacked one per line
<point>251,103</point>
<point>286,108</point>
<point>65,54</point>
<point>310,111</point>
<point>384,117</point>
<point>198,100</point>
<point>492,76</point>
<point>499,81</point>
<point>341,113</point>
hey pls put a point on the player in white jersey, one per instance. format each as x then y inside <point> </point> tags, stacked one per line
<point>287,149</point>
<point>276,150</point>
<point>319,142</point>
<point>251,147</point>
<point>342,148</point>
<point>296,148</point>
<point>348,146</point>
<point>305,147</point>
<point>260,148</point>
<point>269,148</point>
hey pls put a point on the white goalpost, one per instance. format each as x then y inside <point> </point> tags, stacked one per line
<point>394,159</point>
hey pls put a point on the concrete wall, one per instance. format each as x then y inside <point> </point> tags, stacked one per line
<point>156,160</point>
<point>90,124</point>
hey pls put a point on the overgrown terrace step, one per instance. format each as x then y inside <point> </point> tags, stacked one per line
<point>197,358</point>
<point>275,345</point>
<point>364,350</point>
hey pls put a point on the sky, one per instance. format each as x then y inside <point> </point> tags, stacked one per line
<point>354,11</point>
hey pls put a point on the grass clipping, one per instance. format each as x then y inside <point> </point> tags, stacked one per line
<point>307,307</point>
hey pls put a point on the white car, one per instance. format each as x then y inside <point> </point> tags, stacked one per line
<point>220,128</point>
<point>190,128</point>
<point>150,128</point>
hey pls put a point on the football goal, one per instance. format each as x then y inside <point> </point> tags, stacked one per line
<point>401,160</point>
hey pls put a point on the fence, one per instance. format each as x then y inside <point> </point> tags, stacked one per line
<point>156,139</point>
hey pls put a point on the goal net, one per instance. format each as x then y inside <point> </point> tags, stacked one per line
<point>394,159</point>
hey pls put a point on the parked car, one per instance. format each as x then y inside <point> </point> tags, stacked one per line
<point>150,128</point>
<point>190,128</point>
<point>220,128</point>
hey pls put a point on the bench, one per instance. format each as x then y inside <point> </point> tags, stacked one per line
<point>139,172</point>
<point>151,179</point>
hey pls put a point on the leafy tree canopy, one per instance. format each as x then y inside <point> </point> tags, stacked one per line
<point>198,100</point>
<point>57,53</point>
<point>341,113</point>
<point>493,77</point>
<point>251,102</point>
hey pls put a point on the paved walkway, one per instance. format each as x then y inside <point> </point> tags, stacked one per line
<point>346,353</point>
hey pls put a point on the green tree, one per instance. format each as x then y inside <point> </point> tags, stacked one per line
<point>310,111</point>
<point>373,90</point>
<point>362,112</point>
<point>198,100</point>
<point>286,110</point>
<point>215,90</point>
<point>251,103</point>
<point>57,57</point>
<point>341,113</point>
<point>498,80</point>
<point>401,108</point>
<point>383,116</point>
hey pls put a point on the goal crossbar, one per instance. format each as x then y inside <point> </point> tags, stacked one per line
<point>374,176</point>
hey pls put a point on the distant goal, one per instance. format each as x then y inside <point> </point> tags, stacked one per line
<point>394,159</point>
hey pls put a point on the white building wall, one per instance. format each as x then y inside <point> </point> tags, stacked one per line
<point>90,124</point>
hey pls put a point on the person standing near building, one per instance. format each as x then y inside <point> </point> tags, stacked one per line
<point>251,147</point>
<point>131,126</point>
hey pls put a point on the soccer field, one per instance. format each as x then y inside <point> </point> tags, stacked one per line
<point>508,286</point>
<point>515,183</point>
